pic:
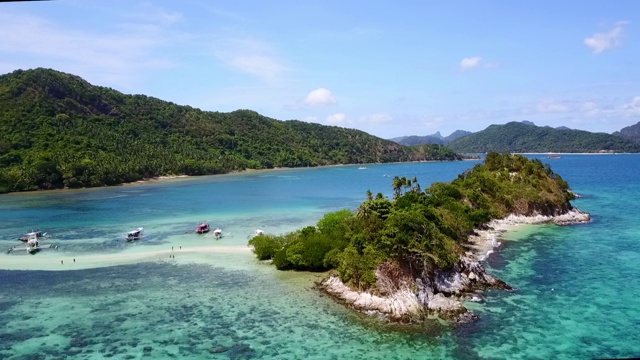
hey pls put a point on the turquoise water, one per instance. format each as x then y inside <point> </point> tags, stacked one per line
<point>576,293</point>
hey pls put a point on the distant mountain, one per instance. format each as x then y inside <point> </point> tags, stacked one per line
<point>436,138</point>
<point>525,137</point>
<point>456,135</point>
<point>414,140</point>
<point>57,130</point>
<point>630,133</point>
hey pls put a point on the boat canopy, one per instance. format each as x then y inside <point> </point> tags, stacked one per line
<point>135,232</point>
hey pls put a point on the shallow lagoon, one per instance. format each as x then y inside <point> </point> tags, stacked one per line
<point>576,289</point>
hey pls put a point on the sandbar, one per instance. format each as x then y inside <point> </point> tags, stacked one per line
<point>57,260</point>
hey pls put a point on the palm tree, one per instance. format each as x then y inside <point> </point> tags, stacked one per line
<point>397,187</point>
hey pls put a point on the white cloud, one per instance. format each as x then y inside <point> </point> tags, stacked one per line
<point>336,119</point>
<point>149,13</point>
<point>600,42</point>
<point>260,65</point>
<point>376,118</point>
<point>116,58</point>
<point>470,63</point>
<point>551,106</point>
<point>633,107</point>
<point>432,122</point>
<point>590,108</point>
<point>249,56</point>
<point>320,96</point>
<point>628,109</point>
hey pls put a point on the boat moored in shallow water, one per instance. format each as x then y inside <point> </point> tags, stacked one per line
<point>134,234</point>
<point>32,245</point>
<point>203,228</point>
<point>217,233</point>
<point>37,234</point>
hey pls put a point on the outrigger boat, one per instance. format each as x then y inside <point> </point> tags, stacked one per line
<point>203,228</point>
<point>217,233</point>
<point>134,234</point>
<point>37,234</point>
<point>32,246</point>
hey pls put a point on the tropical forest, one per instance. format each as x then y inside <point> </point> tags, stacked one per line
<point>418,228</point>
<point>58,131</point>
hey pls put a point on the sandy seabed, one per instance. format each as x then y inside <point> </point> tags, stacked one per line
<point>55,260</point>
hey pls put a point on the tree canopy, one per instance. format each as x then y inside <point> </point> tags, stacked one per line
<point>57,130</point>
<point>528,138</point>
<point>418,228</point>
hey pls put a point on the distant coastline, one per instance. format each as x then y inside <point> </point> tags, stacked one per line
<point>235,172</point>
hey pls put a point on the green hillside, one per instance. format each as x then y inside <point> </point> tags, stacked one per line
<point>523,137</point>
<point>630,133</point>
<point>57,130</point>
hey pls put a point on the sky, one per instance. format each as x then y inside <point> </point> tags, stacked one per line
<point>389,68</point>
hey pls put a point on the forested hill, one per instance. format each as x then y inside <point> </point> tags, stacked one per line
<point>526,137</point>
<point>630,133</point>
<point>57,130</point>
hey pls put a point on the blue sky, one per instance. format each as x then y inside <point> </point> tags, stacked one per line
<point>389,68</point>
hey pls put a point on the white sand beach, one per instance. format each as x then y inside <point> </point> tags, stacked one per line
<point>55,260</point>
<point>485,241</point>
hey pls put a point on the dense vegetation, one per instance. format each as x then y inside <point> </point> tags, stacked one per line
<point>630,133</point>
<point>57,130</point>
<point>418,229</point>
<point>526,137</point>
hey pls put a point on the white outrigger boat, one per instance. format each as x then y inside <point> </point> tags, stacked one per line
<point>217,233</point>
<point>36,234</point>
<point>32,245</point>
<point>135,234</point>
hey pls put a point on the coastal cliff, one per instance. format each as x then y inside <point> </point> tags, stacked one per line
<point>399,297</point>
<point>421,252</point>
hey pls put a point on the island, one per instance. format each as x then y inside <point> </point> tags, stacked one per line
<point>420,253</point>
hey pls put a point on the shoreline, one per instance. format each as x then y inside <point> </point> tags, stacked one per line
<point>484,242</point>
<point>237,172</point>
<point>162,178</point>
<point>55,261</point>
<point>444,294</point>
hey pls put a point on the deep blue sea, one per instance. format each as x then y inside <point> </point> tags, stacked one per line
<point>577,288</point>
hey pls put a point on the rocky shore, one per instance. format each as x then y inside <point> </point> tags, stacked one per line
<point>405,298</point>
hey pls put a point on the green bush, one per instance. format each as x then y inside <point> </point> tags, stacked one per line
<point>266,246</point>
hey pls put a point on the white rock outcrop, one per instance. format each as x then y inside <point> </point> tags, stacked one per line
<point>437,290</point>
